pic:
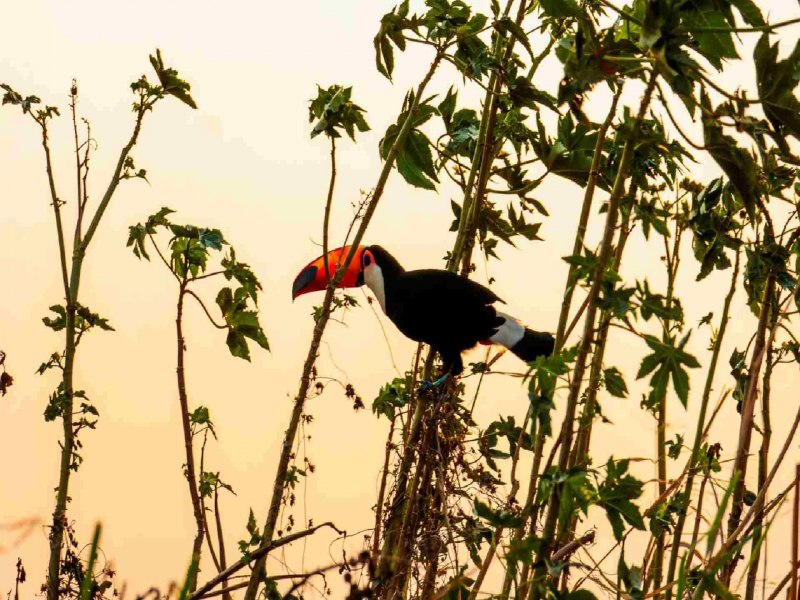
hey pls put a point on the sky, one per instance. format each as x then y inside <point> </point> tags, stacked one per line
<point>244,162</point>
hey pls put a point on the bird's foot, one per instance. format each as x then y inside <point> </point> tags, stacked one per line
<point>428,385</point>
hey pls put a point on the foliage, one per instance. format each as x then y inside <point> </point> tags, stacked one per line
<point>452,487</point>
<point>190,249</point>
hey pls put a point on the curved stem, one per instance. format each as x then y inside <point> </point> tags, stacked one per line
<point>604,256</point>
<point>311,358</point>
<point>328,204</point>
<point>205,310</point>
<point>191,475</point>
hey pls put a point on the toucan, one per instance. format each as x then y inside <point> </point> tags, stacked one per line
<point>447,311</point>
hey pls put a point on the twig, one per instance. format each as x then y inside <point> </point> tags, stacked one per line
<point>257,554</point>
<point>205,310</point>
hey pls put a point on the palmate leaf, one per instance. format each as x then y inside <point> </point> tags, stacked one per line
<point>560,8</point>
<point>615,382</point>
<point>508,25</point>
<point>85,319</point>
<point>777,81</point>
<point>737,164</point>
<point>666,361</point>
<point>414,158</point>
<point>616,495</point>
<point>170,82</point>
<point>714,46</point>
<point>391,33</point>
<point>570,153</point>
<point>415,161</point>
<point>750,12</point>
<point>333,110</point>
<point>243,324</point>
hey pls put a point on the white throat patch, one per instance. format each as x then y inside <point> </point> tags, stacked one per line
<point>509,333</point>
<point>373,277</point>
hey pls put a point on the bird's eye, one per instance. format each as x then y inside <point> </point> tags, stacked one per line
<point>367,259</point>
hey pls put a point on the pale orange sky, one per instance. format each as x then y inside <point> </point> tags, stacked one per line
<point>243,162</point>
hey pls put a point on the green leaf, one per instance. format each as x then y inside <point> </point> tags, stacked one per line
<point>560,8</point>
<point>391,396</point>
<point>415,161</point>
<point>170,82</point>
<point>776,83</point>
<point>670,361</point>
<point>616,494</point>
<point>498,518</point>
<point>200,416</point>
<point>615,384</point>
<point>333,110</point>
<point>750,12</point>
<point>447,107</point>
<point>391,32</point>
<point>716,45</point>
<point>738,165</point>
<point>508,25</point>
<point>211,238</point>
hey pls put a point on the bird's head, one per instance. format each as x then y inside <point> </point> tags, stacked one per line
<point>366,267</point>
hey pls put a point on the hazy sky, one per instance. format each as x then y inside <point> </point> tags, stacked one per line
<point>243,162</point>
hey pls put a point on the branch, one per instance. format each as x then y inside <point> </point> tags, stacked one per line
<point>572,546</point>
<point>756,29</point>
<point>208,314</point>
<point>257,554</point>
<point>115,178</point>
<point>56,208</point>
<point>161,256</point>
<point>328,203</point>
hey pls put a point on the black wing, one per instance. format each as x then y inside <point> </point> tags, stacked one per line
<point>447,311</point>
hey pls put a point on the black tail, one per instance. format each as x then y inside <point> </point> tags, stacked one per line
<point>534,344</point>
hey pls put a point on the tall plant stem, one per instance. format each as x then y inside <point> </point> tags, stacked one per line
<point>376,534</point>
<point>498,531</point>
<point>714,562</point>
<point>580,451</point>
<point>763,465</point>
<point>72,287</point>
<point>583,220</point>
<point>746,425</point>
<point>328,204</point>
<point>584,435</point>
<point>490,148</point>
<point>191,474</point>
<point>795,590</point>
<point>694,457</point>
<point>673,260</point>
<point>401,495</point>
<point>482,157</point>
<point>319,329</point>
<point>604,257</point>
<point>566,304</point>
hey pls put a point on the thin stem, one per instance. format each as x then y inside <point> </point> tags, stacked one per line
<point>223,561</point>
<point>258,554</point>
<point>328,203</point>
<point>490,145</point>
<point>191,475</point>
<point>604,256</point>
<point>748,408</point>
<point>583,220</point>
<point>205,310</point>
<point>78,167</point>
<point>763,461</point>
<point>694,457</point>
<point>319,329</point>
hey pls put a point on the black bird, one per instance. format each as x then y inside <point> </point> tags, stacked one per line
<point>449,312</point>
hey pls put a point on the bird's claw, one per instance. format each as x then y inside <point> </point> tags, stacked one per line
<point>428,385</point>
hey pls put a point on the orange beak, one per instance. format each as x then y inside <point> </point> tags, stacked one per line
<point>312,278</point>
